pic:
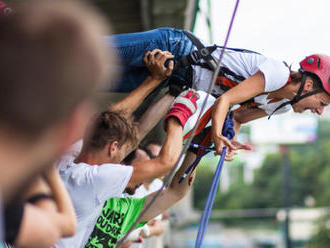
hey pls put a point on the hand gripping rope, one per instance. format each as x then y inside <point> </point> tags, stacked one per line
<point>227,131</point>
<point>168,178</point>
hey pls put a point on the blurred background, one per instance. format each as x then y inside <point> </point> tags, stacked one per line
<point>278,194</point>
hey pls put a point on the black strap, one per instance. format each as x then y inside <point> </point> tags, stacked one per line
<point>203,52</point>
<point>298,96</point>
<point>241,50</point>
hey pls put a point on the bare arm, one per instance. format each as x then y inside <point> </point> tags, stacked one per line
<point>151,117</point>
<point>65,215</point>
<point>249,88</point>
<point>247,115</point>
<point>155,63</point>
<point>36,230</point>
<point>156,227</point>
<point>172,194</point>
<point>168,156</point>
<point>46,221</point>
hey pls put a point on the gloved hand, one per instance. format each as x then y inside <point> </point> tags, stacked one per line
<point>183,107</point>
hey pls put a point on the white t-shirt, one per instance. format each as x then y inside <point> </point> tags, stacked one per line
<point>142,191</point>
<point>240,65</point>
<point>89,187</point>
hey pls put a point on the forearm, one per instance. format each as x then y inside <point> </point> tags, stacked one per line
<point>129,104</point>
<point>167,158</point>
<point>38,228</point>
<point>155,228</point>
<point>180,189</point>
<point>237,126</point>
<point>66,214</point>
<point>221,107</point>
<point>153,115</point>
<point>172,147</point>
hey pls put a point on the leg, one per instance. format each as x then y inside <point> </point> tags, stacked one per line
<point>132,47</point>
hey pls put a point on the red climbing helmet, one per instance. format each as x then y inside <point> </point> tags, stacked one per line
<point>319,65</point>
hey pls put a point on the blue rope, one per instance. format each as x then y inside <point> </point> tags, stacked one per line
<point>228,131</point>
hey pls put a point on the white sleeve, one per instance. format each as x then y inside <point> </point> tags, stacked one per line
<point>69,156</point>
<point>110,180</point>
<point>276,74</point>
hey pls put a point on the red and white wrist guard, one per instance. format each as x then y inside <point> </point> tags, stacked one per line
<point>183,107</point>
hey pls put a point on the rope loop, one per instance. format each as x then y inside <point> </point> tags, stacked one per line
<point>228,127</point>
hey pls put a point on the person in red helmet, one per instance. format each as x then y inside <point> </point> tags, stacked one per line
<point>272,89</point>
<point>262,86</point>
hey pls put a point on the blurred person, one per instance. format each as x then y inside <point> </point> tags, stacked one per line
<point>153,148</point>
<point>95,174</point>
<point>52,60</point>
<point>42,216</point>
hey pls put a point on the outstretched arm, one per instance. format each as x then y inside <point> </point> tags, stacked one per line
<point>249,88</point>
<point>184,106</point>
<point>168,156</point>
<point>155,63</point>
<point>172,194</point>
<point>151,117</point>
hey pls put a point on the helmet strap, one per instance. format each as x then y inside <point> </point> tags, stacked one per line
<point>298,96</point>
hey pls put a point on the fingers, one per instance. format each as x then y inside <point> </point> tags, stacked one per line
<point>146,57</point>
<point>230,155</point>
<point>220,142</point>
<point>157,55</point>
<point>155,61</point>
<point>228,143</point>
<point>240,146</point>
<point>170,68</point>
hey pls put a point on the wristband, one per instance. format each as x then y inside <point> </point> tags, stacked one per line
<point>146,231</point>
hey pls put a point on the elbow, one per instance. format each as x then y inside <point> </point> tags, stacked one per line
<point>222,101</point>
<point>179,194</point>
<point>169,162</point>
<point>69,228</point>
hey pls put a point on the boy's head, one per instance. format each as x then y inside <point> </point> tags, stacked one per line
<point>110,134</point>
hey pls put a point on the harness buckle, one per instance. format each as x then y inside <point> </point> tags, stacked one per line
<point>204,52</point>
<point>195,57</point>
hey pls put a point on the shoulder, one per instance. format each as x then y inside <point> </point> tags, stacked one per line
<point>69,155</point>
<point>276,74</point>
<point>84,173</point>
